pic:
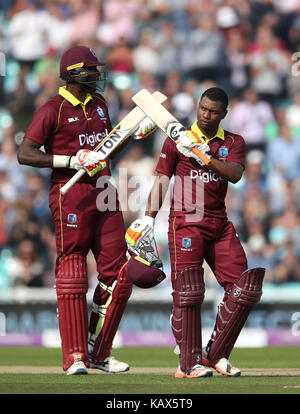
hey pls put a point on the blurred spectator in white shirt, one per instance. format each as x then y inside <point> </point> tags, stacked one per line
<point>249,118</point>
<point>269,65</point>
<point>27,33</point>
<point>60,28</point>
<point>145,54</point>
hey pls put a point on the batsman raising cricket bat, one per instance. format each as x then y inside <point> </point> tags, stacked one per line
<point>70,126</point>
<point>115,138</point>
<point>203,159</point>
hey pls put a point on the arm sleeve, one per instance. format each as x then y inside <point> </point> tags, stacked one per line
<point>42,125</point>
<point>168,158</point>
<point>237,151</point>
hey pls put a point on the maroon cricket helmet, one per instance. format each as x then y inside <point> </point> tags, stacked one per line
<point>78,56</point>
<point>142,273</point>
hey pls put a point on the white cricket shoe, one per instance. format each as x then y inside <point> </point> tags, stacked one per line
<point>78,368</point>
<point>196,372</point>
<point>223,366</point>
<point>111,365</point>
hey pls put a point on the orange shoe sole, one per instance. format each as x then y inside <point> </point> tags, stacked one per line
<point>200,373</point>
<point>228,374</point>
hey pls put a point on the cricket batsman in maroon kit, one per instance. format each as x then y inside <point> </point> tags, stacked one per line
<point>69,126</point>
<point>200,230</point>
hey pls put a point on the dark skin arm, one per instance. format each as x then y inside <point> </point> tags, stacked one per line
<point>230,171</point>
<point>29,153</point>
<point>157,194</point>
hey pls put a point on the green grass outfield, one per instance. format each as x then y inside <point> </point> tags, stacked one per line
<point>271,370</point>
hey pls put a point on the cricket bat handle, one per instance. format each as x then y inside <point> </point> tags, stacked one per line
<point>202,156</point>
<point>72,181</point>
<point>164,119</point>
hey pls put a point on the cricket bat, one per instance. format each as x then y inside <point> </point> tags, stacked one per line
<point>163,118</point>
<point>117,136</point>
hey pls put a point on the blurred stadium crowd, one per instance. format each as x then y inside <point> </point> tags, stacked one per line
<point>181,47</point>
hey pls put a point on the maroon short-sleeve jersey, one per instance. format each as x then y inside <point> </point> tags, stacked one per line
<point>197,188</point>
<point>64,125</point>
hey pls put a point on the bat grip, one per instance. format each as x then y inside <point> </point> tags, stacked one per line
<point>72,181</point>
<point>202,156</point>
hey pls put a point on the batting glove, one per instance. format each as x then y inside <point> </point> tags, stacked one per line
<point>190,140</point>
<point>88,160</point>
<point>145,128</point>
<point>138,231</point>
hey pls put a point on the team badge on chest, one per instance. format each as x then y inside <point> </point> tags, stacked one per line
<point>100,112</point>
<point>223,153</point>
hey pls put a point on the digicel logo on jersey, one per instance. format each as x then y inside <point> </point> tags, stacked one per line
<point>205,176</point>
<point>93,139</point>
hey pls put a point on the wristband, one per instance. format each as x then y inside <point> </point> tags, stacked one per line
<point>69,161</point>
<point>61,161</point>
